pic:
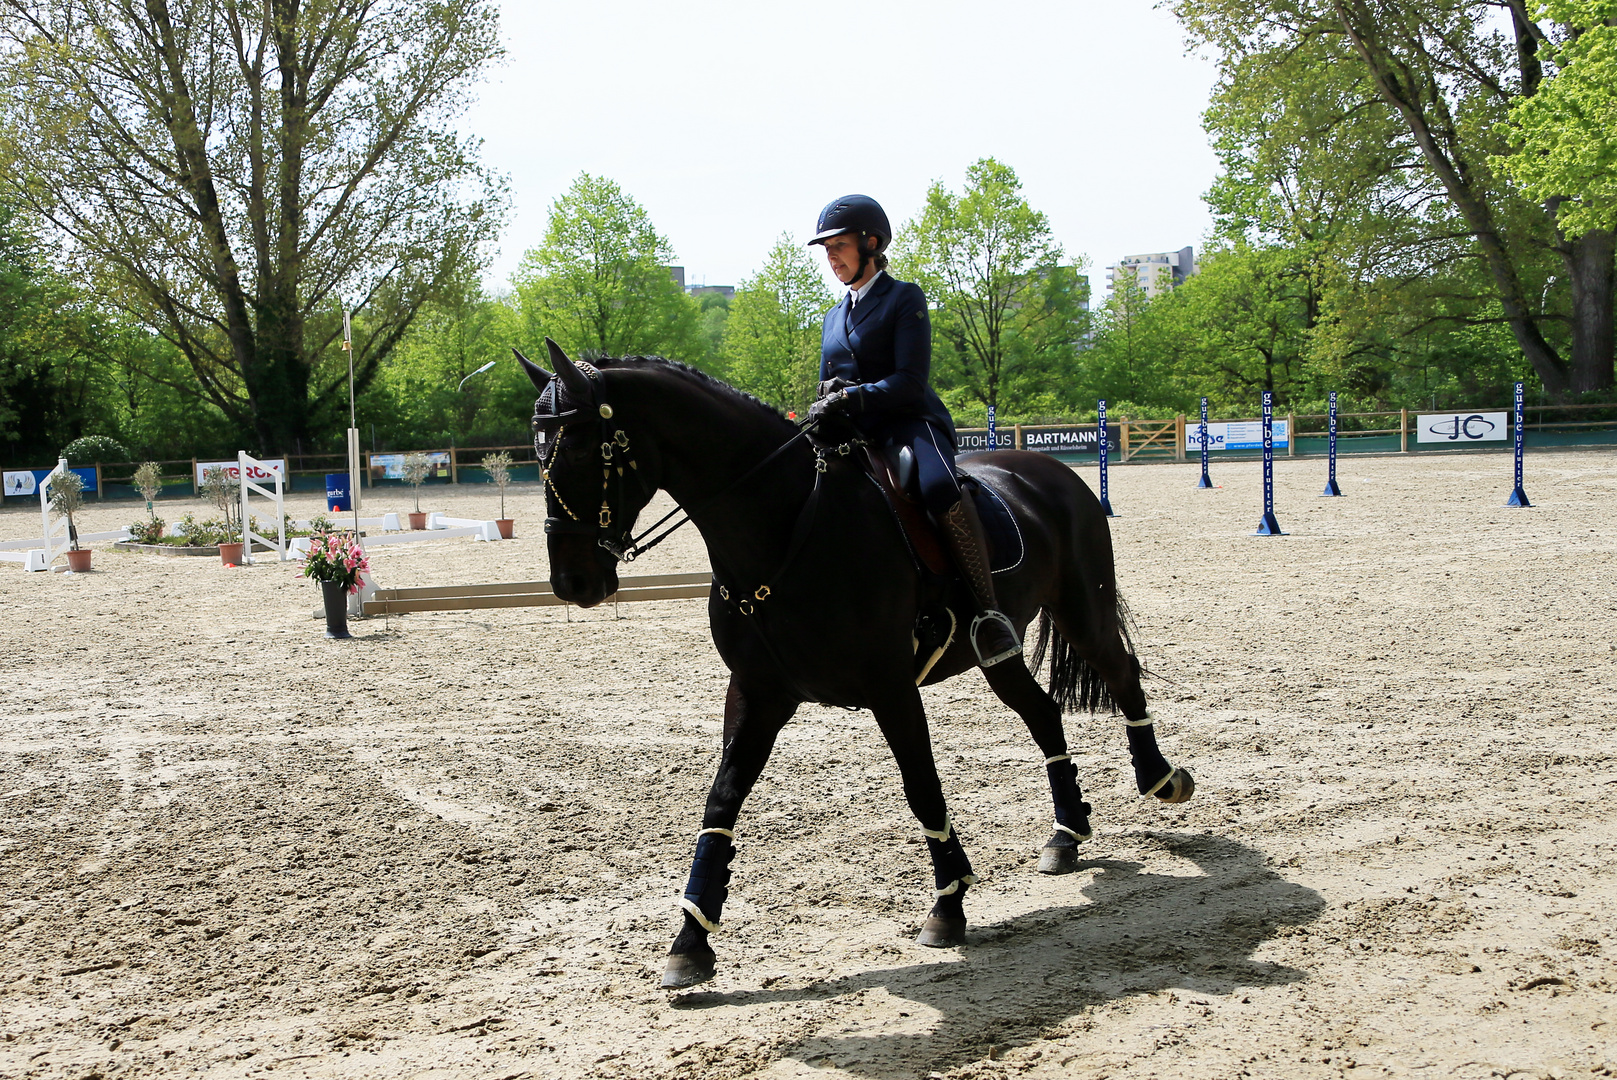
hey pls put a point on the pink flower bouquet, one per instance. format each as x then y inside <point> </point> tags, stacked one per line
<point>335,556</point>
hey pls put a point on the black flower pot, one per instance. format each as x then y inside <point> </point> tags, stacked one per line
<point>335,595</point>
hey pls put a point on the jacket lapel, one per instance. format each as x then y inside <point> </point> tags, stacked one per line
<point>883,285</point>
<point>840,322</point>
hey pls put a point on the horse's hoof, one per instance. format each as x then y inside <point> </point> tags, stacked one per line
<point>941,932</point>
<point>1058,860</point>
<point>686,971</point>
<point>1179,788</point>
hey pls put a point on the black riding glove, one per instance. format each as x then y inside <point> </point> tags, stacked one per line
<point>833,405</point>
<point>831,386</point>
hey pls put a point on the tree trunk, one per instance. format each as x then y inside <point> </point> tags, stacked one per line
<point>1592,265</point>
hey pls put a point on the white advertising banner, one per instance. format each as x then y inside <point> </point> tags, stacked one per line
<point>21,482</point>
<point>1462,428</point>
<point>262,472</point>
<point>392,465</point>
<point>1241,435</point>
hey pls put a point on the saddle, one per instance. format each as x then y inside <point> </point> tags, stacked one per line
<point>893,471</point>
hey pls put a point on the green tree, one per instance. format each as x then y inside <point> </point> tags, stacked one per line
<point>429,391</point>
<point>771,344</point>
<point>1405,107</point>
<point>1566,134</point>
<point>600,282</point>
<point>1010,313</point>
<point>236,170</point>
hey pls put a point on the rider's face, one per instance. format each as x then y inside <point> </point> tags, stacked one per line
<point>842,252</point>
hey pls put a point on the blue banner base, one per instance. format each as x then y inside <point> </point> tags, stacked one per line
<point>1268,526</point>
<point>1330,490</point>
<point>1518,498</point>
<point>1204,482</point>
<point>1106,508</point>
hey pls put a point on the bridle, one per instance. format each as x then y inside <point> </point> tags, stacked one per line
<point>615,455</point>
<point>617,461</point>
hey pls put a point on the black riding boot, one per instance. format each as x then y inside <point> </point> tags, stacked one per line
<point>992,634</point>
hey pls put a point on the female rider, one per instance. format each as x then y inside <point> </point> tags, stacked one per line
<point>875,358</point>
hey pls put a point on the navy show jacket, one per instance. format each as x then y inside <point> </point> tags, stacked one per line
<point>885,346</point>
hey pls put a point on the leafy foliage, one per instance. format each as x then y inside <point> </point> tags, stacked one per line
<point>771,342</point>
<point>1010,313</point>
<point>600,282</point>
<point>1566,134</point>
<point>94,449</point>
<point>232,170</point>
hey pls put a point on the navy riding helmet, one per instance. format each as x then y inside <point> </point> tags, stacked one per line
<point>853,214</point>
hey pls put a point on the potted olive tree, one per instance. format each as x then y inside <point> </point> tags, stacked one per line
<point>67,497</point>
<point>498,467</point>
<point>417,468</point>
<point>223,492</point>
<point>149,482</point>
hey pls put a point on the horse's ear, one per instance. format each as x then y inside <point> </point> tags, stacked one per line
<point>576,382</point>
<point>538,375</point>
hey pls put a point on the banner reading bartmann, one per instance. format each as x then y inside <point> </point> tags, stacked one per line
<point>1462,428</point>
<point>1069,440</point>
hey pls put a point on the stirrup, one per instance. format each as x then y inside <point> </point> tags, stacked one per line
<point>1000,617</point>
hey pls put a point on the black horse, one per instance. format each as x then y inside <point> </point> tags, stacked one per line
<point>816,596</point>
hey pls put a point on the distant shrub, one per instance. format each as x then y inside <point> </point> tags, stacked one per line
<point>94,449</point>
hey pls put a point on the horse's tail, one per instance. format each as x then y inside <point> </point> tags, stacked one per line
<point>1073,683</point>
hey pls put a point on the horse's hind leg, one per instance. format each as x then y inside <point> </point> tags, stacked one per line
<point>903,724</point>
<point>752,719</point>
<point>1091,667</point>
<point>1017,688</point>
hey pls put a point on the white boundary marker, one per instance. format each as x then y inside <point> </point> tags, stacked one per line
<point>243,462</point>
<point>486,530</point>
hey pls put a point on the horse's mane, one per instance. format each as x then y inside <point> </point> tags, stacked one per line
<point>685,371</point>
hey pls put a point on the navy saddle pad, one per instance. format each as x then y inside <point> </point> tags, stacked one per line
<point>1005,546</point>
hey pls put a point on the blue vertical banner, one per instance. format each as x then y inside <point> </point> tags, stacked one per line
<point>1105,500</point>
<point>993,440</point>
<point>1331,487</point>
<point>1268,526</point>
<point>1518,497</point>
<point>1205,481</point>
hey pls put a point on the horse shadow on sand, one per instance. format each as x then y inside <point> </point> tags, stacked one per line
<point>1140,932</point>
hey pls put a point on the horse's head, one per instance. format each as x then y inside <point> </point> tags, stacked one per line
<point>594,486</point>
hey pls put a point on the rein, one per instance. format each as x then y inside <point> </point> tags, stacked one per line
<point>632,548</point>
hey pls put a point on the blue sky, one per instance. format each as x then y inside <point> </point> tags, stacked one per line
<point>732,123</point>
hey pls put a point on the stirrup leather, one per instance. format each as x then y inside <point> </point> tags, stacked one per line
<point>1010,628</point>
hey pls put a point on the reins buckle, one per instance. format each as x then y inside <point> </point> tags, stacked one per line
<point>762,594</point>
<point>606,451</point>
<point>621,437</point>
<point>606,517</point>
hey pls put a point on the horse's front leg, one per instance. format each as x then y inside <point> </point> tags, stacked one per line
<point>903,723</point>
<point>752,719</point>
